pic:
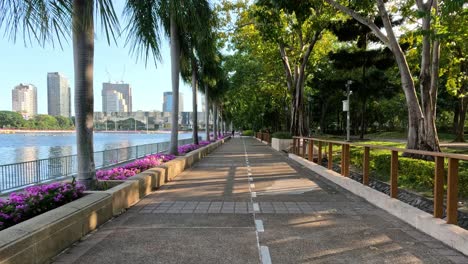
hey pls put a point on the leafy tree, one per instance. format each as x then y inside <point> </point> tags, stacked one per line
<point>10,119</point>
<point>296,27</point>
<point>422,132</point>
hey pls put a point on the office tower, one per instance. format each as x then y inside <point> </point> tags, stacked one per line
<point>114,102</point>
<point>58,95</point>
<point>203,103</point>
<point>167,102</point>
<point>125,97</point>
<point>24,99</point>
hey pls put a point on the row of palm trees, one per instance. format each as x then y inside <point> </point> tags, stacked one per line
<point>189,25</point>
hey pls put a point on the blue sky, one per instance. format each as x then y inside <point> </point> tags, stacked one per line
<point>31,63</point>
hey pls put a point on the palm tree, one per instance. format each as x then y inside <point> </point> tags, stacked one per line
<point>179,19</point>
<point>49,19</point>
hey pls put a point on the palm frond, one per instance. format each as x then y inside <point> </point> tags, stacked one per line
<point>143,28</point>
<point>38,20</point>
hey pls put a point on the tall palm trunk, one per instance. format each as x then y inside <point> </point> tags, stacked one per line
<point>175,70</point>
<point>83,55</point>
<point>194,102</point>
<point>207,114</point>
<point>215,122</point>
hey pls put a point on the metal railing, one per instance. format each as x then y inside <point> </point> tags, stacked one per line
<point>18,175</point>
<point>304,146</point>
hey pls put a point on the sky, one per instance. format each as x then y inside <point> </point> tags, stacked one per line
<point>20,63</point>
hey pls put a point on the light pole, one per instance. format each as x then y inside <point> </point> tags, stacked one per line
<point>348,118</point>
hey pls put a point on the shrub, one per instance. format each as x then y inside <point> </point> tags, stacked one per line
<point>248,133</point>
<point>282,135</point>
<point>36,200</point>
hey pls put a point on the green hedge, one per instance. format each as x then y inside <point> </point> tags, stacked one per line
<point>414,174</point>
<point>248,133</point>
<point>282,135</point>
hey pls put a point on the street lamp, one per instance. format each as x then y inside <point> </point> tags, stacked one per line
<point>347,108</point>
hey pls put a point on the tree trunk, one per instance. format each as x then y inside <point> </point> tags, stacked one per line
<point>460,134</point>
<point>207,114</point>
<point>175,70</point>
<point>215,122</point>
<point>422,134</point>
<point>83,55</point>
<point>194,102</point>
<point>456,116</point>
<point>363,118</point>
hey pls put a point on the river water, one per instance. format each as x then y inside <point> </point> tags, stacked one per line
<point>32,146</point>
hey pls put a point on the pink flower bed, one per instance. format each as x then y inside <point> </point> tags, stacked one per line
<point>133,168</point>
<point>36,200</point>
<point>184,149</point>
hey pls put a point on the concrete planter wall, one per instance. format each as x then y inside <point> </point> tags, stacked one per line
<point>281,144</point>
<point>40,238</point>
<point>37,240</point>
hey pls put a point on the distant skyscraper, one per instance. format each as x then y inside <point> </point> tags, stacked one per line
<point>24,99</point>
<point>167,102</point>
<point>203,103</point>
<point>112,90</point>
<point>58,95</point>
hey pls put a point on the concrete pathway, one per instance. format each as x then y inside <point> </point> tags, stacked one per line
<point>246,203</point>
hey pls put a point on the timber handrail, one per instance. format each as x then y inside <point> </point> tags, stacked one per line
<point>452,172</point>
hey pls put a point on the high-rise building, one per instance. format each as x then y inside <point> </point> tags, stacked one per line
<point>24,99</point>
<point>58,95</point>
<point>114,101</point>
<point>167,102</point>
<point>108,90</point>
<point>203,103</point>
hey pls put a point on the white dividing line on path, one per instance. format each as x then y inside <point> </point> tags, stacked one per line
<point>265,255</point>
<point>256,208</point>
<point>263,252</point>
<point>259,225</point>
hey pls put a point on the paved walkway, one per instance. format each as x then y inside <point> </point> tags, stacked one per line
<point>246,203</point>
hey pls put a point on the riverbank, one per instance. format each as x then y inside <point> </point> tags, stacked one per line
<point>32,131</point>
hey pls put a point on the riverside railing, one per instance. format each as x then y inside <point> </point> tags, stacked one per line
<point>303,146</point>
<point>18,175</point>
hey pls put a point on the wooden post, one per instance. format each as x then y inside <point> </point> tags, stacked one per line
<point>452,191</point>
<point>294,146</point>
<point>342,159</point>
<point>311,150</point>
<point>319,156</point>
<point>346,157</point>
<point>303,148</point>
<point>394,174</point>
<point>439,187</point>
<point>365,166</point>
<point>330,156</point>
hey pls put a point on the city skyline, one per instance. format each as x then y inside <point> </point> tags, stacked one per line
<point>112,63</point>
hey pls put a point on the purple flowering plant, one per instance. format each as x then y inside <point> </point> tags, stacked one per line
<point>133,168</point>
<point>184,149</point>
<point>36,200</point>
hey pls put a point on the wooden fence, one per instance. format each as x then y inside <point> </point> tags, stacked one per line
<point>301,143</point>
